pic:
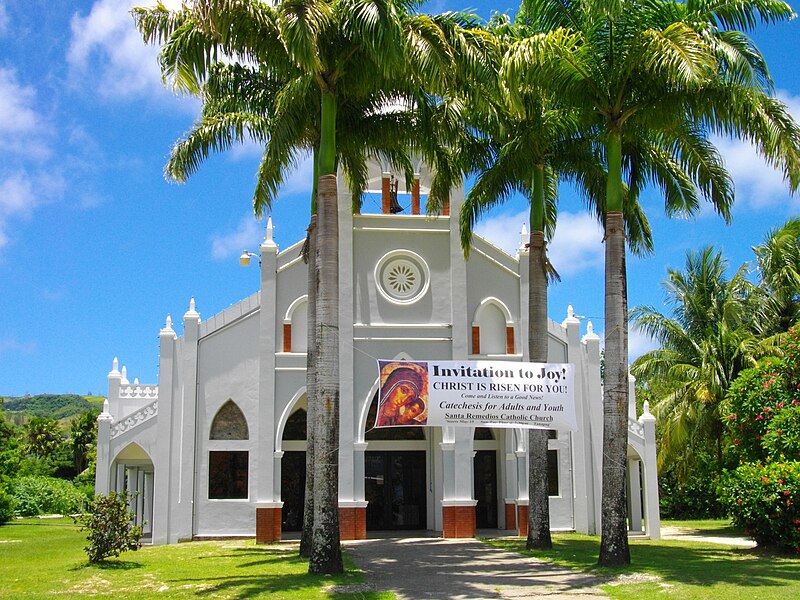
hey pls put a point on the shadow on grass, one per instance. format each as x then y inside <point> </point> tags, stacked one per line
<point>689,563</point>
<point>109,565</point>
<point>271,578</point>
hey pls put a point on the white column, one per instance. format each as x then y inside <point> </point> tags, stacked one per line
<point>184,424</point>
<point>103,461</point>
<point>348,422</point>
<point>593,426</point>
<point>652,514</point>
<point>264,460</point>
<point>163,485</point>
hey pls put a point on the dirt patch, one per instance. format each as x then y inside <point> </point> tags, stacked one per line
<point>634,578</point>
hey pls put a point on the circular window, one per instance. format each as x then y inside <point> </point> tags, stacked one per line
<point>402,277</point>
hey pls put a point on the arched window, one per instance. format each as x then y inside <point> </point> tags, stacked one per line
<point>295,326</point>
<point>229,423</point>
<point>492,329</point>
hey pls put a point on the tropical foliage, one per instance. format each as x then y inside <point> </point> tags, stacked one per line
<point>46,467</point>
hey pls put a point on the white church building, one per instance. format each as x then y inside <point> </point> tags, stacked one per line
<point>217,446</point>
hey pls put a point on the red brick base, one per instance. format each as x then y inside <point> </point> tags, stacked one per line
<point>268,525</point>
<point>522,520</point>
<point>511,517</point>
<point>458,521</point>
<point>353,523</point>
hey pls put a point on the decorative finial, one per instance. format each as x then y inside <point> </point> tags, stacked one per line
<point>590,334</point>
<point>135,381</point>
<point>572,318</point>
<point>191,313</point>
<point>125,376</point>
<point>646,407</point>
<point>168,331</point>
<point>269,242</point>
<point>106,414</point>
<point>114,368</point>
<point>523,238</point>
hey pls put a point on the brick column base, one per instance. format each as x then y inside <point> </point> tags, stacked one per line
<point>268,525</point>
<point>511,517</point>
<point>522,520</point>
<point>353,523</point>
<point>458,521</point>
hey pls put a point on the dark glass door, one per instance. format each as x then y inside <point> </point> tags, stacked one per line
<point>395,490</point>
<point>293,490</point>
<point>485,464</point>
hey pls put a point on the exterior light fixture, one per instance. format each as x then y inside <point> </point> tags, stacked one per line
<point>244,259</point>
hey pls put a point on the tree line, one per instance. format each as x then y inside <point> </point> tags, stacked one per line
<point>615,96</point>
<point>46,465</point>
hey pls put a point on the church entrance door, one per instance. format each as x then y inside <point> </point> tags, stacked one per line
<point>485,465</point>
<point>293,490</point>
<point>395,490</point>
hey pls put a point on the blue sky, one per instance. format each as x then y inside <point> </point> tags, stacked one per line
<point>96,248</point>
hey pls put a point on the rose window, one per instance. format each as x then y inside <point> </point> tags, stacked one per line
<point>402,277</point>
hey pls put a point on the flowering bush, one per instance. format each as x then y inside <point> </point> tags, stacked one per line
<point>762,419</point>
<point>753,401</point>
<point>765,501</point>
<point>782,439</point>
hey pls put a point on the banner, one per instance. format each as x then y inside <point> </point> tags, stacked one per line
<point>476,393</point>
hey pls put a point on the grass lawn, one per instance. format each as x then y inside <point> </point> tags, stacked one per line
<point>678,568</point>
<point>44,557</point>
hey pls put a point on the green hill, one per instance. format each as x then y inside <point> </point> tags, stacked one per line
<point>53,406</point>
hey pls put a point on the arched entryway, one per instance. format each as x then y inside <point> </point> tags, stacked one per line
<point>132,471</point>
<point>395,468</point>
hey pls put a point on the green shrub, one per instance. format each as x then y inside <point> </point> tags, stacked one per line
<point>38,495</point>
<point>764,500</point>
<point>6,506</point>
<point>693,498</point>
<point>110,526</point>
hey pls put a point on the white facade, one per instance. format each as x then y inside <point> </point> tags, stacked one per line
<point>158,440</point>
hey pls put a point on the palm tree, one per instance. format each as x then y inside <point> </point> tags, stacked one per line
<point>43,436</point>
<point>520,150</point>
<point>703,346</point>
<point>778,260</point>
<point>336,48</point>
<point>242,101</point>
<point>656,85</point>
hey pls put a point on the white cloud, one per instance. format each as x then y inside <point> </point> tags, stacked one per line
<point>22,129</point>
<point>107,46</point>
<point>247,235</point>
<point>17,200</point>
<point>639,343</point>
<point>503,230</point>
<point>577,245</point>
<point>757,184</point>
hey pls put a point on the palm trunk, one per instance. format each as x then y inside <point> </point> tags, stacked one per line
<point>614,548</point>
<point>538,496</point>
<point>311,388</point>
<point>326,553</point>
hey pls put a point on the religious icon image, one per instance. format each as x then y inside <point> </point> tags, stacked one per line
<point>403,398</point>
